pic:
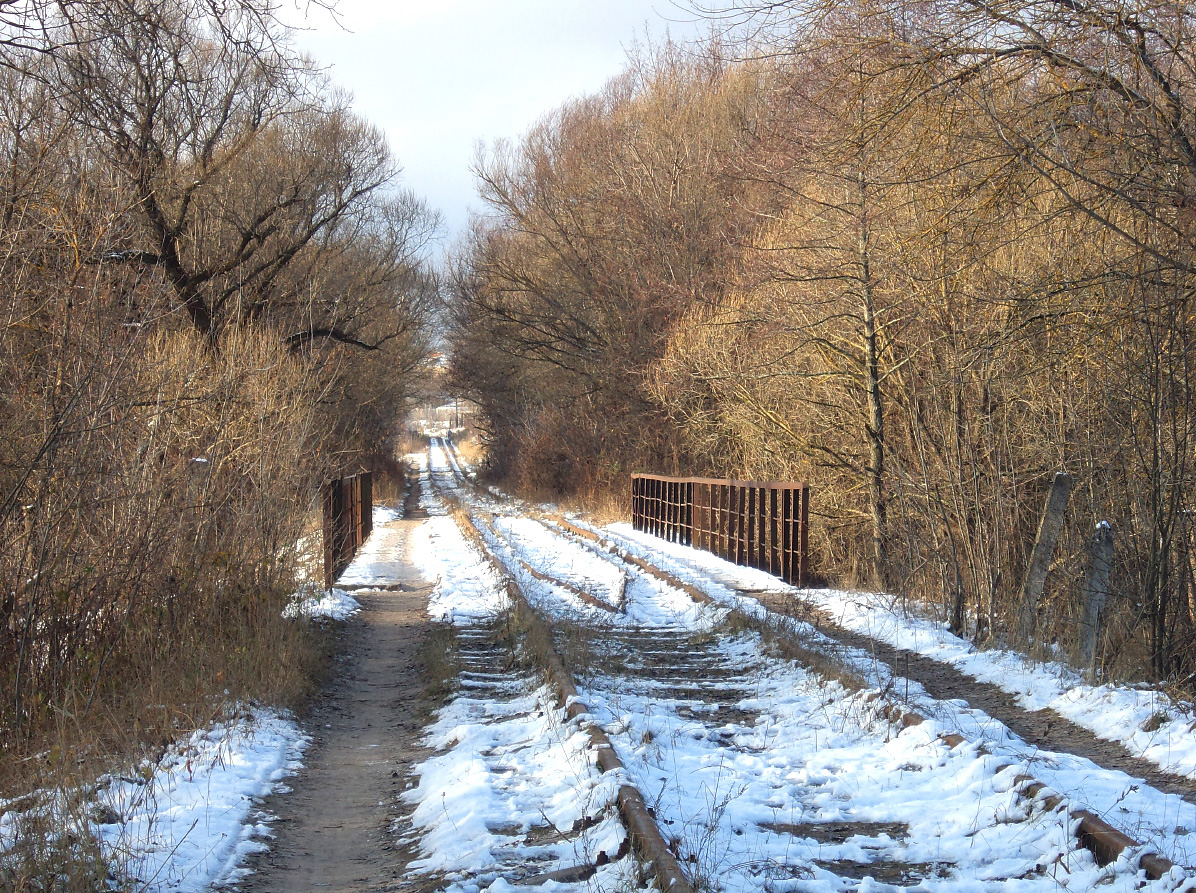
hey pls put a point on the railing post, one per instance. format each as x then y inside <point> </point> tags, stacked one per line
<point>740,523</point>
<point>689,513</point>
<point>750,537</point>
<point>674,505</point>
<point>657,508</point>
<point>729,523</point>
<point>774,555</point>
<point>724,501</point>
<point>328,502</point>
<point>803,566</point>
<point>795,527</point>
<point>367,504</point>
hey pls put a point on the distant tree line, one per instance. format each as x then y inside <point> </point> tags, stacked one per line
<point>922,255</point>
<point>213,296</point>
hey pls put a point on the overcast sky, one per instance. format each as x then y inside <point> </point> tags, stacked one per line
<point>440,75</point>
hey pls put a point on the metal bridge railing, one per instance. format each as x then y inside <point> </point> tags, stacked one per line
<point>752,523</point>
<point>348,521</point>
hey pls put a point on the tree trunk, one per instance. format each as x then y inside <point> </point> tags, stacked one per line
<point>874,426</point>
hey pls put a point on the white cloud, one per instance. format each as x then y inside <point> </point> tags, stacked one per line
<point>438,77</point>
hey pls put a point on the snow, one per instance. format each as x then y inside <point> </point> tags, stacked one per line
<point>815,753</point>
<point>186,821</point>
<point>1116,712</point>
<point>384,514</point>
<point>779,746</point>
<point>809,750</point>
<point>567,561</point>
<point>504,767</point>
<point>332,604</point>
<point>380,559</point>
<point>511,790</point>
<point>738,769</point>
<point>466,586</point>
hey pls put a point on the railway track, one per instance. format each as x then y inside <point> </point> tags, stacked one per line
<point>766,756</point>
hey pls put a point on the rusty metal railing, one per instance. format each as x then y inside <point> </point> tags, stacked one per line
<point>752,523</point>
<point>348,521</point>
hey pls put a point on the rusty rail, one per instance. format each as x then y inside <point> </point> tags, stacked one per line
<point>752,523</point>
<point>348,521</point>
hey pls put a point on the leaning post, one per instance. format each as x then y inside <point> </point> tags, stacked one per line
<point>1096,592</point>
<point>1040,558</point>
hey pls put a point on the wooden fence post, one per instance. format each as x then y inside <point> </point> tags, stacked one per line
<point>329,505</point>
<point>1040,557</point>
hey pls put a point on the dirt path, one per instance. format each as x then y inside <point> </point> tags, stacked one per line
<point>334,831</point>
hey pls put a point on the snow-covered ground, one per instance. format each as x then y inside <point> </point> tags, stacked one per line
<point>184,822</point>
<point>752,791</point>
<point>764,775</point>
<point>512,791</point>
<point>315,603</point>
<point>1163,821</point>
<point>739,778</point>
<point>1149,723</point>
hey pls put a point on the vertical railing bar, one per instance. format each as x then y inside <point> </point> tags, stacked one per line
<point>804,560</point>
<point>786,538</point>
<point>774,554</point>
<point>750,528</point>
<point>740,533</point>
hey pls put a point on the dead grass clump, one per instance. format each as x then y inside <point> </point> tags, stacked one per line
<point>46,859</point>
<point>411,442</point>
<point>471,450</point>
<point>781,637</point>
<point>601,505</point>
<point>530,636</point>
<point>441,662</point>
<point>389,477</point>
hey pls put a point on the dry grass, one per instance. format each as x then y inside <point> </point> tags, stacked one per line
<point>410,442</point>
<point>441,663</point>
<point>44,860</point>
<point>281,663</point>
<point>471,450</point>
<point>529,636</point>
<point>603,506</point>
<point>781,639</point>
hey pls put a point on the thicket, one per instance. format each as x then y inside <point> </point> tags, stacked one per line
<point>213,298</point>
<point>922,255</point>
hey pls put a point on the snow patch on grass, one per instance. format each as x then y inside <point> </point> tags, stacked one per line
<point>333,604</point>
<point>186,821</point>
